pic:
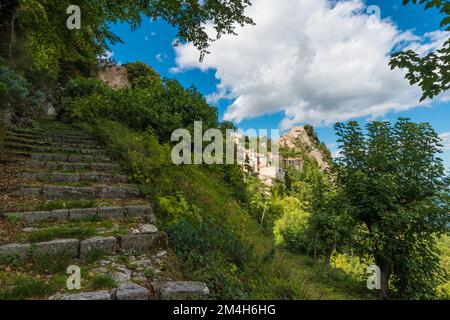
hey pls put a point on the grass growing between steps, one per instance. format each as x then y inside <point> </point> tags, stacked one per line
<point>103,281</point>
<point>62,232</point>
<point>26,287</point>
<point>215,239</point>
<point>68,204</point>
<point>74,230</point>
<point>47,276</point>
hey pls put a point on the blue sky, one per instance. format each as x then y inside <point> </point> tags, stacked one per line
<point>152,44</point>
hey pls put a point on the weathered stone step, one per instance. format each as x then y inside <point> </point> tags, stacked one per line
<point>180,290</point>
<point>74,177</point>
<point>66,192</point>
<point>76,249</point>
<point>69,150</point>
<point>70,140</point>
<point>33,135</point>
<point>101,213</point>
<point>53,149</point>
<point>61,157</point>
<point>44,143</point>
<point>23,132</point>
<point>67,134</point>
<point>74,166</point>
<point>18,146</point>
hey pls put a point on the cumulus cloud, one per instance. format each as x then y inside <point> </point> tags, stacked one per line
<point>445,137</point>
<point>316,61</point>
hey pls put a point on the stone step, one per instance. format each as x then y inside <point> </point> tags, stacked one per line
<point>69,150</point>
<point>70,140</point>
<point>61,157</point>
<point>180,290</point>
<point>66,192</point>
<point>18,146</point>
<point>18,136</point>
<point>23,132</point>
<point>53,149</point>
<point>67,134</point>
<point>43,143</point>
<point>74,166</point>
<point>126,213</point>
<point>74,177</point>
<point>82,249</point>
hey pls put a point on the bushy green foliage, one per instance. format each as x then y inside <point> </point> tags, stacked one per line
<point>208,239</point>
<point>142,75</point>
<point>19,101</point>
<point>290,229</point>
<point>331,226</point>
<point>142,156</point>
<point>396,186</point>
<point>429,71</point>
<point>163,107</point>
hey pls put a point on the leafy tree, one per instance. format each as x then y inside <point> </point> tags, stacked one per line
<point>432,71</point>
<point>42,24</point>
<point>330,224</point>
<point>395,183</point>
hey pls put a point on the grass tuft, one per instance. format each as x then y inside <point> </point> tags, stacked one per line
<point>103,281</point>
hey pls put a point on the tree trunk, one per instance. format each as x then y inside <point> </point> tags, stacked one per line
<point>263,215</point>
<point>385,274</point>
<point>13,7</point>
<point>314,250</point>
<point>328,254</point>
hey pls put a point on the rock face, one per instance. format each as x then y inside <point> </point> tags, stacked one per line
<point>298,138</point>
<point>115,77</point>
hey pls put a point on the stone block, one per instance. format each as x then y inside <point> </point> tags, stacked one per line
<point>103,245</point>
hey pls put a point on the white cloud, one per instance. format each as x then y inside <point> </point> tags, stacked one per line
<point>316,62</point>
<point>445,140</point>
<point>160,57</point>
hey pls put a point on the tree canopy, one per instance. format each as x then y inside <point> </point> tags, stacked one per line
<point>432,71</point>
<point>396,186</point>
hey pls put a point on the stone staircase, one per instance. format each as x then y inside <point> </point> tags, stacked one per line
<point>71,203</point>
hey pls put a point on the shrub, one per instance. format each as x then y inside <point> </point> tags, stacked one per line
<point>212,253</point>
<point>202,240</point>
<point>290,229</point>
<point>142,75</point>
<point>19,101</point>
<point>163,108</point>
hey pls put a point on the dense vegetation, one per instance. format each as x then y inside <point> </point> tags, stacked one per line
<point>384,202</point>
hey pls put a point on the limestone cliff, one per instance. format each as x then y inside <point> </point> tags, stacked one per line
<point>116,77</point>
<point>297,141</point>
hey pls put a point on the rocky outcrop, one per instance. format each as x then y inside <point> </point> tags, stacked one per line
<point>115,77</point>
<point>298,139</point>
